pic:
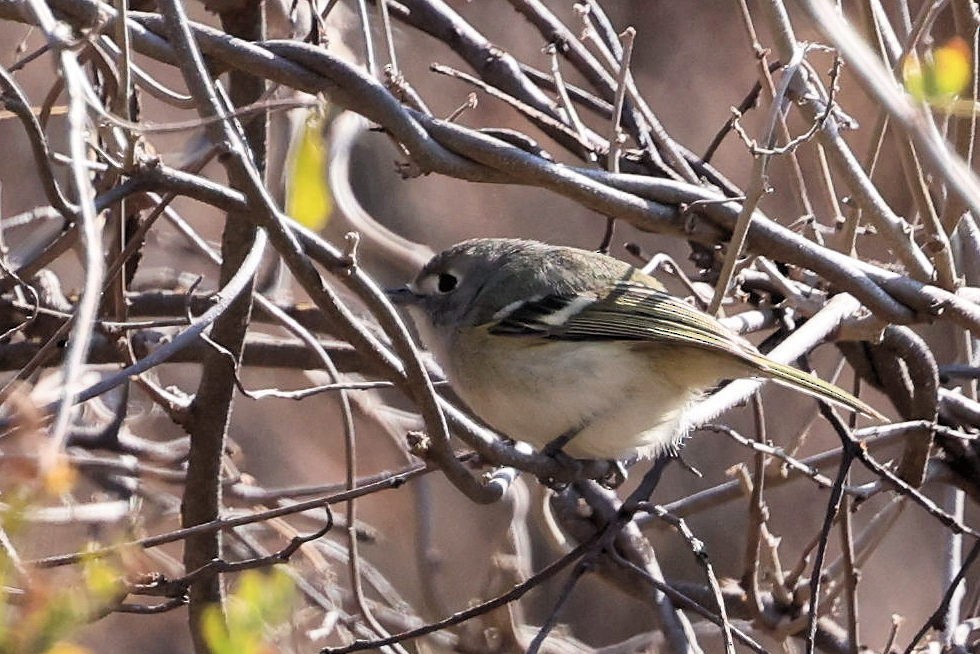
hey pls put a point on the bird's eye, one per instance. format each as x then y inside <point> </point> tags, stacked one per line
<point>446,282</point>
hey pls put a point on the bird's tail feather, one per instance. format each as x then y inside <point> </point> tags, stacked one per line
<point>812,385</point>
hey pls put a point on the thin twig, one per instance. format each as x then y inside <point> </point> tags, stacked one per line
<point>935,621</point>
<point>757,186</point>
<point>512,595</point>
<point>615,135</point>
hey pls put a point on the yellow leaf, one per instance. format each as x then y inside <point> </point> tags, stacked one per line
<point>59,478</point>
<point>951,64</point>
<point>308,199</point>
<point>941,74</point>
<point>67,648</point>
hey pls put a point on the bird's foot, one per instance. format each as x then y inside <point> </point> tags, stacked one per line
<point>572,465</point>
<point>554,448</point>
<point>615,476</point>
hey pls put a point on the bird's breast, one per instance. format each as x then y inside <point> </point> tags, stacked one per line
<point>621,400</point>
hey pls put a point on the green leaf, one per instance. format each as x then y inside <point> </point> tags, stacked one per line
<point>260,600</point>
<point>215,632</point>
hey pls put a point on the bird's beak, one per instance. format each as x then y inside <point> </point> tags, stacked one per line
<point>401,296</point>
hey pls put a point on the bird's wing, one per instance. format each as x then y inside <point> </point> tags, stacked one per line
<point>628,312</point>
<point>632,311</point>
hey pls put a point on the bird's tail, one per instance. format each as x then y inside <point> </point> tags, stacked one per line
<point>813,385</point>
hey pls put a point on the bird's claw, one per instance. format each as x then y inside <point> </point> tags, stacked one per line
<point>615,476</point>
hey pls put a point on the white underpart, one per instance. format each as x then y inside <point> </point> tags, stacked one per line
<point>620,401</point>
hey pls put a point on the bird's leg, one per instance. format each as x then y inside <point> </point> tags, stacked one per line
<point>617,471</point>
<point>554,450</point>
<point>616,475</point>
<point>556,446</point>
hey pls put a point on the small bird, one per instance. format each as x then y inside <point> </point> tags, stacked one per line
<point>576,351</point>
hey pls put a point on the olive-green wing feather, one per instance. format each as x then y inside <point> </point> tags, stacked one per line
<point>812,385</point>
<point>636,312</point>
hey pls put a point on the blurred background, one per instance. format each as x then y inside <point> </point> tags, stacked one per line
<point>440,552</point>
